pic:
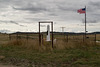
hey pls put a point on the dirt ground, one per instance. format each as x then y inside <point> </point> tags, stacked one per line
<point>1,65</point>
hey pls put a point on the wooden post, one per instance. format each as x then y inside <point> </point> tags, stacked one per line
<point>67,37</point>
<point>83,37</point>
<point>27,37</point>
<point>16,36</point>
<point>95,38</point>
<point>52,33</point>
<point>9,36</point>
<point>39,36</point>
<point>42,39</point>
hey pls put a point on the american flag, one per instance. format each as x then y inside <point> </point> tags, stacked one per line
<point>83,10</point>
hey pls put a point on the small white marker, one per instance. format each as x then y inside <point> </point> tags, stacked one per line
<point>48,33</point>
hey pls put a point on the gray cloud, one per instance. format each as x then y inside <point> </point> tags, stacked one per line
<point>36,19</point>
<point>91,25</point>
<point>31,8</point>
<point>52,7</point>
<point>62,11</point>
<point>90,21</point>
<point>95,4</point>
<point>17,23</point>
<point>12,22</point>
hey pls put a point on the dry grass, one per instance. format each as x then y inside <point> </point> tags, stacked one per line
<point>30,44</point>
<point>98,37</point>
<point>29,52</point>
<point>4,38</point>
<point>61,43</point>
<point>46,46</point>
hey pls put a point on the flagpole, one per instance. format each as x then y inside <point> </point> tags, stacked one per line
<point>85,22</point>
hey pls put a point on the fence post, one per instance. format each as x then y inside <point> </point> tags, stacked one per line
<point>39,36</point>
<point>95,38</point>
<point>17,36</point>
<point>9,36</point>
<point>42,39</point>
<point>52,34</point>
<point>27,37</point>
<point>67,37</point>
<point>83,37</point>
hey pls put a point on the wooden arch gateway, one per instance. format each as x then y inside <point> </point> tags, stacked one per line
<point>51,31</point>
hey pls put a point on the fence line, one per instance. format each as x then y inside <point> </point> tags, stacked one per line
<point>67,37</point>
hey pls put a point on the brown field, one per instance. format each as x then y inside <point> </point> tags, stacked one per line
<point>62,41</point>
<point>24,50</point>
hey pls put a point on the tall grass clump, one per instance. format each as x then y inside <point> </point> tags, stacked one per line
<point>27,44</point>
<point>63,44</point>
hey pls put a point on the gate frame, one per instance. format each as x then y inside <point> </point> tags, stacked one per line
<point>51,31</point>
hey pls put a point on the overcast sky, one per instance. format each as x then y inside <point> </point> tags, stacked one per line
<point>24,15</point>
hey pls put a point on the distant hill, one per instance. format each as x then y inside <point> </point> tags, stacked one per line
<point>8,31</point>
<point>54,33</point>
